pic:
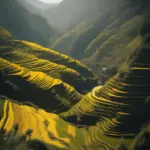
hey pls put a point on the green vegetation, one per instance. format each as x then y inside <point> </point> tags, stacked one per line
<point>108,40</point>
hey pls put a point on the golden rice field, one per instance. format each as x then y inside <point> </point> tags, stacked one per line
<point>42,73</point>
<point>56,131</point>
<point>52,69</point>
<point>38,58</point>
<point>99,120</point>
<point>120,101</point>
<point>37,86</point>
<point>56,57</point>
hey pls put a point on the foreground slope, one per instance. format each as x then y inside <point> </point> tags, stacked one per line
<point>47,127</point>
<point>51,129</point>
<point>103,117</point>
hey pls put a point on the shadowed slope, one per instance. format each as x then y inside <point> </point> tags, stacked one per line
<point>118,46</point>
<point>64,43</point>
<point>23,24</point>
<point>121,19</point>
<point>121,100</point>
<point>46,127</point>
<point>119,38</point>
<point>109,39</point>
<point>142,139</point>
<point>90,31</point>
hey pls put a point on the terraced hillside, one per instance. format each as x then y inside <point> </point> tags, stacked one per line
<point>42,92</point>
<point>42,73</point>
<point>38,58</point>
<point>108,40</point>
<point>100,120</point>
<point>124,99</point>
<point>46,126</point>
<point>50,128</point>
<point>24,85</point>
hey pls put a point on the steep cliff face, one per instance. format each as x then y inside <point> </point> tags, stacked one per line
<point>23,24</point>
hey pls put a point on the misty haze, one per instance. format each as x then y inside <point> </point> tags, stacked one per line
<point>74,75</point>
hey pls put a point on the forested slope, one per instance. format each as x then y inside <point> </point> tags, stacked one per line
<point>121,100</point>
<point>107,40</point>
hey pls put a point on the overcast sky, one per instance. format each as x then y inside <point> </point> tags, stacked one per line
<point>51,1</point>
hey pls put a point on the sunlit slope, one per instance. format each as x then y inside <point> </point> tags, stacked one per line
<point>46,127</point>
<point>23,84</point>
<point>53,56</point>
<point>51,129</point>
<point>121,101</point>
<point>38,58</point>
<point>54,70</point>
